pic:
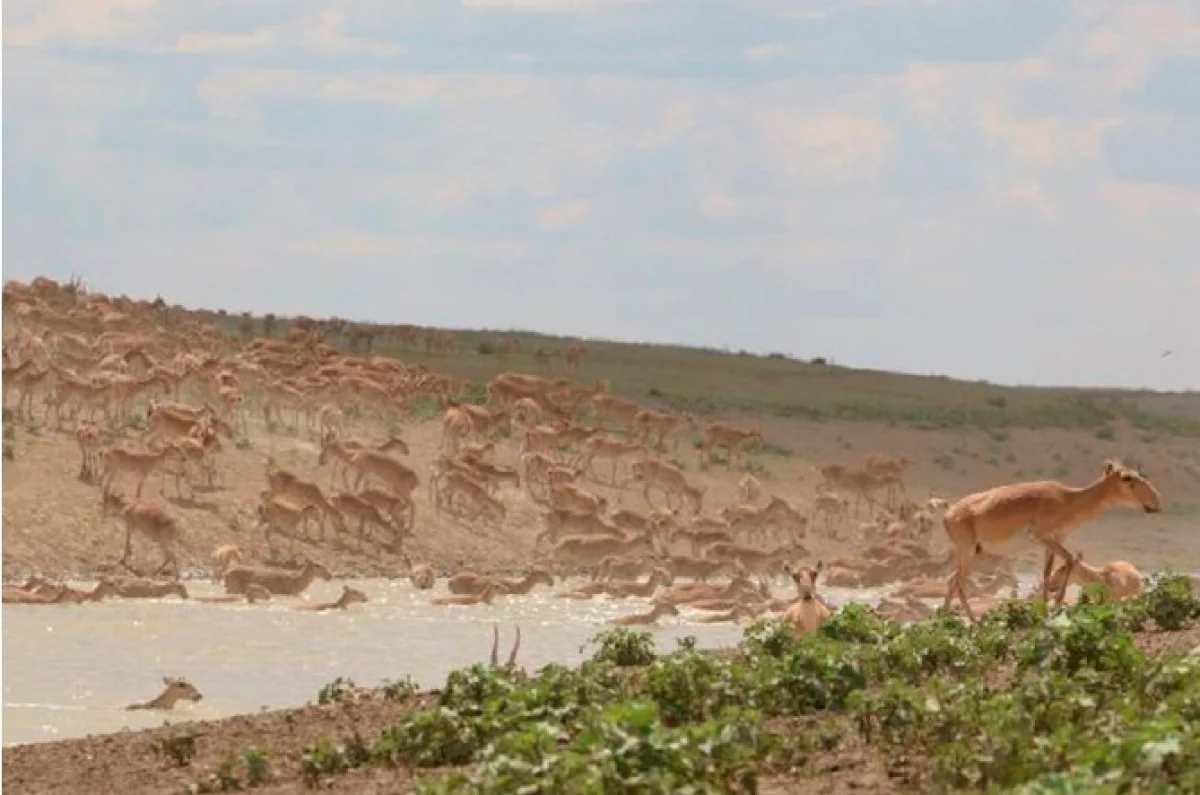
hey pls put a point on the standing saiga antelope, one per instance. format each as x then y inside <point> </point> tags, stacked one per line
<point>1044,512</point>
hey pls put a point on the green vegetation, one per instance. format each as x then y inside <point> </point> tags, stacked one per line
<point>711,382</point>
<point>245,771</point>
<point>1027,701</point>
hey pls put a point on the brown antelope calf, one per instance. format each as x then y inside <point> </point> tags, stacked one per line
<point>1120,577</point>
<point>149,520</point>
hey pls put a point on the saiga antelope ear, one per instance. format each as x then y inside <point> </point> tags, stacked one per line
<point>820,565</point>
<point>787,569</point>
<point>1110,467</point>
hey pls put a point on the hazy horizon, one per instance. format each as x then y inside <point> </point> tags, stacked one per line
<point>996,190</point>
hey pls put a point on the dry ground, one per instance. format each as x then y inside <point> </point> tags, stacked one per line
<point>52,522</point>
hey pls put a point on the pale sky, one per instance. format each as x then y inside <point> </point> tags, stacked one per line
<point>1000,189</point>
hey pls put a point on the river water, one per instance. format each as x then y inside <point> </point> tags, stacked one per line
<point>69,670</point>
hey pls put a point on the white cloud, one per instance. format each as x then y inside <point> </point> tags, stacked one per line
<point>37,23</point>
<point>563,215</point>
<point>719,206</point>
<point>1144,202</point>
<point>1031,195</point>
<point>1046,142</point>
<point>760,53</point>
<point>227,43</point>
<point>832,146</point>
<point>320,33</point>
<point>858,205</point>
<point>1135,36</point>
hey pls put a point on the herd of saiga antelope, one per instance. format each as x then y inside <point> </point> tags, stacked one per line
<point>88,352</point>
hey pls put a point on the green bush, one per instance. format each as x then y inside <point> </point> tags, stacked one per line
<point>1028,700</point>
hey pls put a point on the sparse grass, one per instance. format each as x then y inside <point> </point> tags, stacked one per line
<point>710,383</point>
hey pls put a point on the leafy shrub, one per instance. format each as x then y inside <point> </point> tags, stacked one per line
<point>624,647</point>
<point>856,623</point>
<point>1168,601</point>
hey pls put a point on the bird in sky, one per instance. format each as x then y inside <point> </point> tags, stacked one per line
<point>1165,354</point>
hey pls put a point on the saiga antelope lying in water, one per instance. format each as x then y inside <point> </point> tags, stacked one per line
<point>254,593</point>
<point>350,596</point>
<point>1042,511</point>
<point>489,592</point>
<point>177,690</point>
<point>659,610</point>
<point>278,581</point>
<point>469,582</point>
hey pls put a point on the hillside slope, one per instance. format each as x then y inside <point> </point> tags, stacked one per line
<point>961,437</point>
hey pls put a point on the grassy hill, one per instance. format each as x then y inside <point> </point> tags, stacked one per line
<point>710,383</point>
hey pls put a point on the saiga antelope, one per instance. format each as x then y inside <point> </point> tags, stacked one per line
<point>1043,512</point>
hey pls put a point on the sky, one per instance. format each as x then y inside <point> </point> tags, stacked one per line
<point>990,189</point>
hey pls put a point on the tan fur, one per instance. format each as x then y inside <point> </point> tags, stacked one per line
<point>1120,577</point>
<point>809,611</point>
<point>176,690</point>
<point>277,581</point>
<point>350,596</point>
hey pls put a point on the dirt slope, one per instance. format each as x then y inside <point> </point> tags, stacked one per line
<point>52,521</point>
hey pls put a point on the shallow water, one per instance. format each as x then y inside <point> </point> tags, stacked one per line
<point>70,670</point>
